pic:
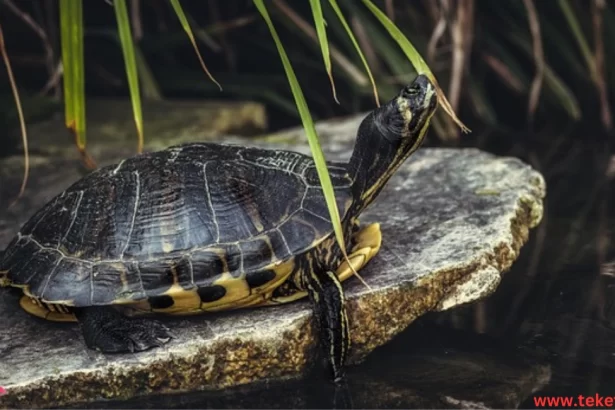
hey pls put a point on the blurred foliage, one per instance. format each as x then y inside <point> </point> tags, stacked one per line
<point>483,53</point>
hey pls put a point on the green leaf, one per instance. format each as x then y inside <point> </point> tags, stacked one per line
<point>184,22</point>
<point>308,125</point>
<point>342,19</point>
<point>579,37</point>
<point>562,93</point>
<point>319,22</point>
<point>123,26</point>
<point>71,32</point>
<point>417,61</point>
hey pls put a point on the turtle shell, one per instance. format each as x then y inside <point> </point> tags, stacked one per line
<point>192,218</point>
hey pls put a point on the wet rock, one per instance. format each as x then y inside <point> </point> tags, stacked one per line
<point>453,220</point>
<point>424,367</point>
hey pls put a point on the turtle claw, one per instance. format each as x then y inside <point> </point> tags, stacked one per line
<point>109,331</point>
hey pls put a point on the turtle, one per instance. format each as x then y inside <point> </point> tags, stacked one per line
<point>204,227</point>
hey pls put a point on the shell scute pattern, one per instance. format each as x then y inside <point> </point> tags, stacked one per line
<point>192,218</point>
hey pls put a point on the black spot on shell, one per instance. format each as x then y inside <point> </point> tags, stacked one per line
<point>211,293</point>
<point>259,278</point>
<point>161,302</point>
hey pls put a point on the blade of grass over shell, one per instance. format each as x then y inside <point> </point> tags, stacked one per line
<point>310,130</point>
<point>22,122</point>
<point>71,32</point>
<point>184,22</point>
<point>321,32</point>
<point>342,20</point>
<point>123,27</point>
<point>417,61</point>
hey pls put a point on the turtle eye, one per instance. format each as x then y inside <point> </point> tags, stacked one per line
<point>410,90</point>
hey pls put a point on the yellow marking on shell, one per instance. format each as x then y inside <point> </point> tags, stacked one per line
<point>238,295</point>
<point>123,277</point>
<point>236,289</point>
<point>255,217</point>
<point>36,308</point>
<point>366,244</point>
<point>167,247</point>
<point>222,256</point>
<point>4,278</point>
<point>366,241</point>
<point>183,300</point>
<point>251,297</point>
<point>267,240</point>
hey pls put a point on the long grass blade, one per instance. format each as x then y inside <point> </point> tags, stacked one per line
<point>123,27</point>
<point>321,32</point>
<point>345,64</point>
<point>184,22</point>
<point>352,38</point>
<point>308,125</point>
<point>573,22</point>
<point>416,59</point>
<point>22,122</point>
<point>539,58</point>
<point>71,30</point>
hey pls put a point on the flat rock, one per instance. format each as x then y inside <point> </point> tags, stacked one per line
<point>453,220</point>
<point>426,367</point>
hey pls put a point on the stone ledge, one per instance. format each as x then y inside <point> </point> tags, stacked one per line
<point>452,222</point>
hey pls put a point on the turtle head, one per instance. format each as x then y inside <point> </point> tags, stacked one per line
<point>388,135</point>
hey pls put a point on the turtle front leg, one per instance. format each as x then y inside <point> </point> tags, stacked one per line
<point>109,331</point>
<point>325,292</point>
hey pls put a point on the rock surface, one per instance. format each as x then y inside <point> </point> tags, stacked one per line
<point>425,367</point>
<point>452,222</point>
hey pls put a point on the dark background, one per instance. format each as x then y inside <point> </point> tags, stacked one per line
<point>558,298</point>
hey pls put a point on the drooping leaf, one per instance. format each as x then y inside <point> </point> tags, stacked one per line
<point>308,125</point>
<point>123,26</point>
<point>184,22</point>
<point>417,60</point>
<point>71,32</point>
<point>319,23</point>
<point>342,19</point>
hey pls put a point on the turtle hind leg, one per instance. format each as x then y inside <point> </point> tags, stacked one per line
<point>109,331</point>
<point>325,292</point>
